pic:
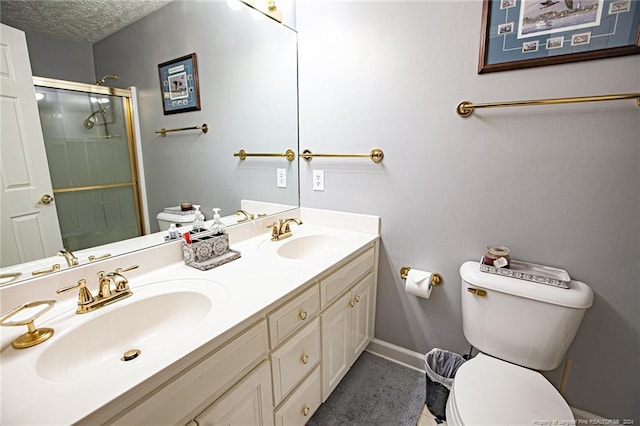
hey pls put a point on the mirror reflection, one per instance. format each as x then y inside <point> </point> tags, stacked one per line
<point>247,71</point>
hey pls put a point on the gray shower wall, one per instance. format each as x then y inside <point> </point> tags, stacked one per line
<point>560,185</point>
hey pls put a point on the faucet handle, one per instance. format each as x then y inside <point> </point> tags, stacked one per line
<point>130,268</point>
<point>120,280</point>
<point>275,230</point>
<point>84,296</point>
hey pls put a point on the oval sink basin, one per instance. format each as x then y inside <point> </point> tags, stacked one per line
<point>309,246</point>
<point>97,347</point>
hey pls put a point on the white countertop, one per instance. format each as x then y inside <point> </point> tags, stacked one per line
<point>243,290</point>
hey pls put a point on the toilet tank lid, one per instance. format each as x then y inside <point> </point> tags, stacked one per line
<point>176,218</point>
<point>578,295</point>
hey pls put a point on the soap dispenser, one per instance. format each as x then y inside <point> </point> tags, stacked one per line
<point>217,227</point>
<point>173,232</point>
<point>198,223</point>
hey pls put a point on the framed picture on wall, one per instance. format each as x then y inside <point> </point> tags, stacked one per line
<point>179,85</point>
<point>530,33</point>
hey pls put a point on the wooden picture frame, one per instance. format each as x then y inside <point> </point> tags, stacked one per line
<point>530,33</point>
<point>179,85</point>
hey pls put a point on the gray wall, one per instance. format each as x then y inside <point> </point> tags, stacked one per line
<point>62,59</point>
<point>559,185</point>
<point>247,73</point>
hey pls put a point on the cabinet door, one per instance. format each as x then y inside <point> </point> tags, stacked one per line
<point>247,403</point>
<point>335,323</point>
<point>361,316</point>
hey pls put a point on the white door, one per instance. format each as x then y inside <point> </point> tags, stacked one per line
<point>29,227</point>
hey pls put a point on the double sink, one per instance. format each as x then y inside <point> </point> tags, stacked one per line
<point>173,313</point>
<point>159,314</point>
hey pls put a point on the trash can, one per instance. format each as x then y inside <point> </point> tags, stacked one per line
<point>441,367</point>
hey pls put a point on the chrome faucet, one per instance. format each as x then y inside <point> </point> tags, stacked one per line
<point>280,230</point>
<point>106,293</point>
<point>71,259</point>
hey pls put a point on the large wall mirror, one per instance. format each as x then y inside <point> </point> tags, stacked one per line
<point>247,68</point>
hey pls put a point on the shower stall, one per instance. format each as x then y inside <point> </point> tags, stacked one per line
<point>88,137</point>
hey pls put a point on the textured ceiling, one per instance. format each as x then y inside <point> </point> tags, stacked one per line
<point>79,20</point>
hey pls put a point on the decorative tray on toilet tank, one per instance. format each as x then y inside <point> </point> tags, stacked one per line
<point>531,272</point>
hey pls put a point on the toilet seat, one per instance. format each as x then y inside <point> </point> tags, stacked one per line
<point>489,391</point>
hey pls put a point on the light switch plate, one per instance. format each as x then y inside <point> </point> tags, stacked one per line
<point>318,180</point>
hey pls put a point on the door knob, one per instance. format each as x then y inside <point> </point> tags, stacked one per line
<point>46,199</point>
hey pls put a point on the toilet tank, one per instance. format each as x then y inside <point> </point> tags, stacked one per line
<point>523,322</point>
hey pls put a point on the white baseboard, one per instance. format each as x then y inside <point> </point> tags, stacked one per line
<point>397,354</point>
<point>585,415</point>
<point>415,361</point>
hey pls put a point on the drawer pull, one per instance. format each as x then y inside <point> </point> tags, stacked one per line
<point>302,315</point>
<point>305,410</point>
<point>477,291</point>
<point>304,359</point>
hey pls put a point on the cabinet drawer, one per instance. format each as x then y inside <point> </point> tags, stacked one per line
<point>293,360</point>
<point>299,408</point>
<point>293,315</point>
<point>204,382</point>
<point>338,282</point>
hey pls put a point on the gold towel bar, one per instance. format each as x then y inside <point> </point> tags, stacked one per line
<point>466,108</point>
<point>376,155</point>
<point>164,131</point>
<point>289,154</point>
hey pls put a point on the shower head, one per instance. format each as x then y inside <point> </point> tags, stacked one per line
<point>103,79</point>
<point>91,121</point>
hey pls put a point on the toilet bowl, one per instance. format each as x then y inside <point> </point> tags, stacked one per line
<point>518,327</point>
<point>489,391</point>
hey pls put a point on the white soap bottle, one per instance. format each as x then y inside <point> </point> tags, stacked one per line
<point>198,223</point>
<point>217,227</point>
<point>173,232</point>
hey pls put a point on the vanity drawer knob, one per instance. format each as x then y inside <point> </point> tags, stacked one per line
<point>305,410</point>
<point>302,315</point>
<point>305,359</point>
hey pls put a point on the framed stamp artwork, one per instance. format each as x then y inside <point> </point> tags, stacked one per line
<point>530,33</point>
<point>179,85</point>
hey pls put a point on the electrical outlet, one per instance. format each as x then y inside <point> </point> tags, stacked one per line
<point>318,180</point>
<point>281,178</point>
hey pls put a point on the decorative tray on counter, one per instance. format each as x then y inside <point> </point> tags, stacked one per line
<point>531,272</point>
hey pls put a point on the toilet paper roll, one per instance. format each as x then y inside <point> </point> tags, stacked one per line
<point>418,283</point>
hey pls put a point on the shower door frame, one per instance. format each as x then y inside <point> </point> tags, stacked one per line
<point>127,106</point>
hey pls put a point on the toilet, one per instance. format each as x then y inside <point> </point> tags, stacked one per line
<point>167,217</point>
<point>519,327</point>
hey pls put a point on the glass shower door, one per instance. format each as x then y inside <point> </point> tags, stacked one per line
<point>89,144</point>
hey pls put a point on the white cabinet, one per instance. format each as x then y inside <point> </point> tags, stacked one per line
<point>186,395</point>
<point>280,369</point>
<point>347,325</point>
<point>247,403</point>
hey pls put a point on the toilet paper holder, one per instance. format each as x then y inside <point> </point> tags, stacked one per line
<point>436,278</point>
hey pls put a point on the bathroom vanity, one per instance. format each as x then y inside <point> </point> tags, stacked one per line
<point>264,339</point>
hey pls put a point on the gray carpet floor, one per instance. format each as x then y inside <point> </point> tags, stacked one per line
<point>374,392</point>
